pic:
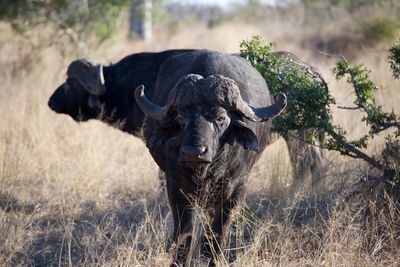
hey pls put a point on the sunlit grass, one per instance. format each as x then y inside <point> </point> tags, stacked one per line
<point>87,194</point>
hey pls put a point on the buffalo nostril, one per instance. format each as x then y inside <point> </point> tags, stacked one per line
<point>193,150</point>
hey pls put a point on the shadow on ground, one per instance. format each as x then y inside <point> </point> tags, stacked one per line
<point>93,234</point>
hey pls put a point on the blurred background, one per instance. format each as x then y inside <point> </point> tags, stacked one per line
<point>332,26</point>
<point>88,194</point>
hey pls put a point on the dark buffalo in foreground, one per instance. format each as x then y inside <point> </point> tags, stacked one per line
<point>206,124</point>
<point>94,91</point>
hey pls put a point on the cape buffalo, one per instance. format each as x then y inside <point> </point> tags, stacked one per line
<point>94,91</point>
<point>206,124</point>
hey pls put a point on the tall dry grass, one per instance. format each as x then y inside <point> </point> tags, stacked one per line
<point>87,194</point>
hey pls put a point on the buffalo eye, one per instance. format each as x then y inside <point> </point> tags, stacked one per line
<point>221,119</point>
<point>180,119</point>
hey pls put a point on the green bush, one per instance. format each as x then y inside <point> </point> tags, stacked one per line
<point>380,29</point>
<point>85,18</point>
<point>310,103</point>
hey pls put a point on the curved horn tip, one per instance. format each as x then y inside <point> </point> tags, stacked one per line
<point>149,109</point>
<point>280,104</point>
<point>101,75</point>
<point>281,100</point>
<point>139,91</point>
<point>266,113</point>
<point>100,87</point>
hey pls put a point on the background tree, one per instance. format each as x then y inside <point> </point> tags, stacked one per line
<point>79,19</point>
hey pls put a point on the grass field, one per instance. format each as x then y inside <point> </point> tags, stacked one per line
<point>89,195</point>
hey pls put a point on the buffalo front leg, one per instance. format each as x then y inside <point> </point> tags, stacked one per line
<point>182,213</point>
<point>219,232</point>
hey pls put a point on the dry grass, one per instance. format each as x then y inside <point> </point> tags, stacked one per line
<point>86,194</point>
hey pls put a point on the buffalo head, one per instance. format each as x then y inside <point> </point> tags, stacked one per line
<point>205,113</point>
<point>79,95</point>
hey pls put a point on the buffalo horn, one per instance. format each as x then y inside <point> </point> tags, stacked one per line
<point>100,88</point>
<point>265,113</point>
<point>150,109</point>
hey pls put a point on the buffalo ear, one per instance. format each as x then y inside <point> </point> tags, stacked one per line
<point>89,74</point>
<point>242,134</point>
<point>165,131</point>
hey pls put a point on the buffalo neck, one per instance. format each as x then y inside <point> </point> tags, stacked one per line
<point>120,109</point>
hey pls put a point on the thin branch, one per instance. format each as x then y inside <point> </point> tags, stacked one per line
<point>71,33</point>
<point>355,151</point>
<point>348,108</point>
<point>345,153</point>
<point>321,146</point>
<point>354,83</point>
<point>304,68</point>
<point>324,83</point>
<point>344,143</point>
<point>386,126</point>
<point>331,55</point>
<point>366,178</point>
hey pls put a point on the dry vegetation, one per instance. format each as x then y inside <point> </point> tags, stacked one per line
<point>87,194</point>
